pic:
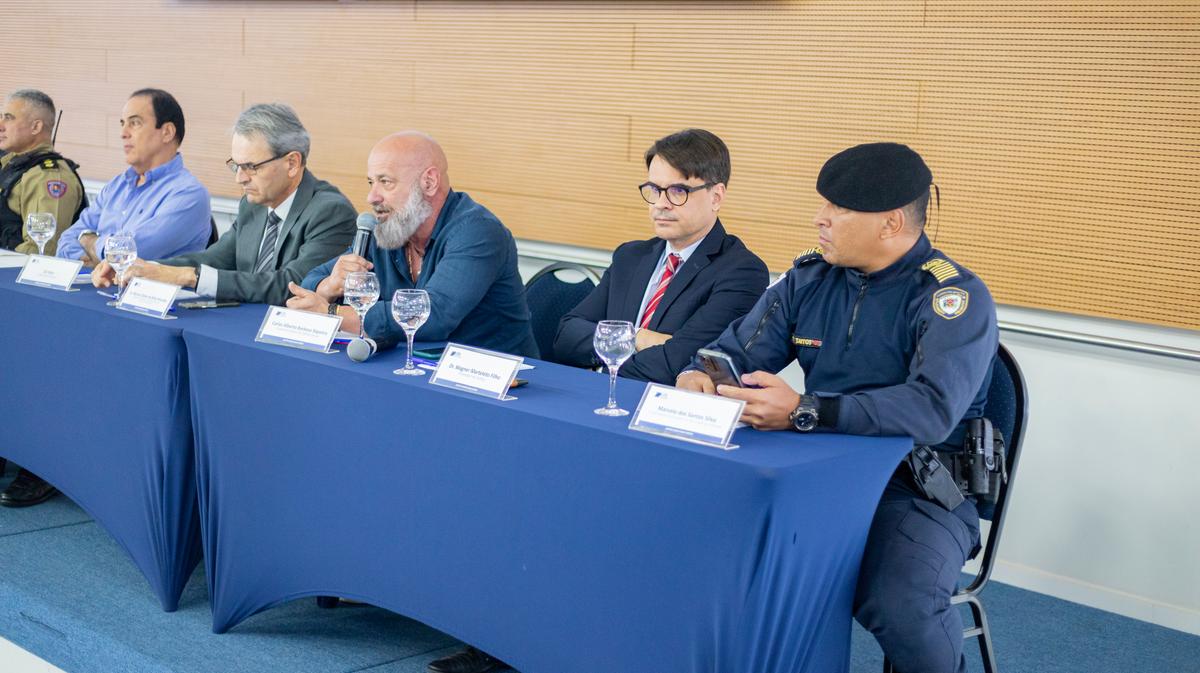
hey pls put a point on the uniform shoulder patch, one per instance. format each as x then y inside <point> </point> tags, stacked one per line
<point>49,163</point>
<point>950,302</point>
<point>813,253</point>
<point>941,269</point>
<point>56,188</point>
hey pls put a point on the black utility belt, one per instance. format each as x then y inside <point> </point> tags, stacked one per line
<point>978,470</point>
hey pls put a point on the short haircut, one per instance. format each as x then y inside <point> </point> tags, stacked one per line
<point>914,211</point>
<point>694,152</point>
<point>40,105</point>
<point>278,124</point>
<point>166,109</point>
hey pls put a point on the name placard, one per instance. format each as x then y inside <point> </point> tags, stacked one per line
<point>298,329</point>
<point>148,297</point>
<point>51,272</point>
<point>478,371</point>
<point>690,416</point>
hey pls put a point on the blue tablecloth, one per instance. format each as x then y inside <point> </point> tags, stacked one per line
<point>96,401</point>
<point>553,538</point>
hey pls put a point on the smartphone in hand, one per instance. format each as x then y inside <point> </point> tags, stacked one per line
<point>720,368</point>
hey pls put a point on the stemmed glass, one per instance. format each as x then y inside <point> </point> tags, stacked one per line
<point>120,251</point>
<point>614,342</point>
<point>41,227</point>
<point>410,309</point>
<point>361,292</point>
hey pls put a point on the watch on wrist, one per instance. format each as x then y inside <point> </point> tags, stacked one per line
<point>333,308</point>
<point>804,417</point>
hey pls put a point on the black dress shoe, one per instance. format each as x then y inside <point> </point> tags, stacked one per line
<point>27,489</point>
<point>469,660</point>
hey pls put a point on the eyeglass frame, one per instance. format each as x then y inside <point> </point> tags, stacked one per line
<point>687,189</point>
<point>249,168</point>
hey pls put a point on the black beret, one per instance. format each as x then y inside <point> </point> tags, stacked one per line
<point>874,177</point>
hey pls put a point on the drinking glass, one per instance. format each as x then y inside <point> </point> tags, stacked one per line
<point>410,309</point>
<point>614,342</point>
<point>120,251</point>
<point>361,292</point>
<point>41,228</point>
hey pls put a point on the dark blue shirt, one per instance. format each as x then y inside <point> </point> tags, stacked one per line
<point>476,295</point>
<point>903,351</point>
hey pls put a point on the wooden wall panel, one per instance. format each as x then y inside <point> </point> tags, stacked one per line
<point>1064,135</point>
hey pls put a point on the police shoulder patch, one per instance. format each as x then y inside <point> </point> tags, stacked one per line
<point>56,188</point>
<point>813,253</point>
<point>950,302</point>
<point>49,163</point>
<point>941,269</point>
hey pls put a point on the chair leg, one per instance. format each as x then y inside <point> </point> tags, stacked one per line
<point>984,634</point>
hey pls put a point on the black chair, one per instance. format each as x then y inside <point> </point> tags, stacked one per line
<point>550,298</point>
<point>213,235</point>
<point>1007,408</point>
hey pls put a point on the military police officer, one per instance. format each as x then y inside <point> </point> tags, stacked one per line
<point>33,177</point>
<point>894,339</point>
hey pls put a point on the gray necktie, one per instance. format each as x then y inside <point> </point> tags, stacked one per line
<point>266,255</point>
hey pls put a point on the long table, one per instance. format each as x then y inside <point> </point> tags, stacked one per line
<point>548,536</point>
<point>97,402</point>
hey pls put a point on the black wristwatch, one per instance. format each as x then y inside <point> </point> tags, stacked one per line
<point>333,308</point>
<point>804,417</point>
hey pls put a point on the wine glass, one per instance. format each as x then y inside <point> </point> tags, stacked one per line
<point>41,228</point>
<point>410,309</point>
<point>361,292</point>
<point>120,251</point>
<point>614,342</point>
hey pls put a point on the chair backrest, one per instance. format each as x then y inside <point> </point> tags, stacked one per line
<point>550,298</point>
<point>1007,408</point>
<point>213,234</point>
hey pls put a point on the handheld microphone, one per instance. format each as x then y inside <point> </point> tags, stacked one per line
<point>361,350</point>
<point>366,229</point>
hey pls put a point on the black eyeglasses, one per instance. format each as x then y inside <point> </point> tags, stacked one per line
<point>677,195</point>
<point>250,169</point>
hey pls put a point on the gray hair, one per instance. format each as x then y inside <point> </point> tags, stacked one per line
<point>40,105</point>
<point>278,124</point>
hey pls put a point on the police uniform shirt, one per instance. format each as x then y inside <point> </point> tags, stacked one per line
<point>903,351</point>
<point>48,187</point>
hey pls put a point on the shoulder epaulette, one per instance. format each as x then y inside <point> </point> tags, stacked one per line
<point>941,269</point>
<point>809,255</point>
<point>49,163</point>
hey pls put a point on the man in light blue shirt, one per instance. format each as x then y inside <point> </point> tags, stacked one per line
<point>156,199</point>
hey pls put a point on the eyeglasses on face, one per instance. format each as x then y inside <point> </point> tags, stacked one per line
<point>677,194</point>
<point>248,168</point>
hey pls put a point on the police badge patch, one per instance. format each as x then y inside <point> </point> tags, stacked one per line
<point>950,302</point>
<point>56,188</point>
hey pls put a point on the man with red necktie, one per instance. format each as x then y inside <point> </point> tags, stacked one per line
<point>681,288</point>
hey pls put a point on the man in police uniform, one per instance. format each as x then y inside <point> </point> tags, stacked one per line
<point>33,177</point>
<point>894,339</point>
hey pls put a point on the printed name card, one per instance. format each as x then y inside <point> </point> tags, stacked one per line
<point>683,414</point>
<point>50,272</point>
<point>148,297</point>
<point>298,329</point>
<point>478,371</point>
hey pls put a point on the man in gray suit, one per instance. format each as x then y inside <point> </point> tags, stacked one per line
<point>288,221</point>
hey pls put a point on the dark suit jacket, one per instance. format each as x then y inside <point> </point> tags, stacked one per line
<point>319,226</point>
<point>716,285</point>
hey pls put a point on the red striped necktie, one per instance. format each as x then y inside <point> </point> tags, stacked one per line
<point>673,261</point>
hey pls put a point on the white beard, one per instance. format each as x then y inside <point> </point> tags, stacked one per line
<point>394,232</point>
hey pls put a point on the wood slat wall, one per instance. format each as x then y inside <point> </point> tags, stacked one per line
<point>1065,136</point>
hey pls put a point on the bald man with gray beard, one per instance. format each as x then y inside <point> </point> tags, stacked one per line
<point>433,238</point>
